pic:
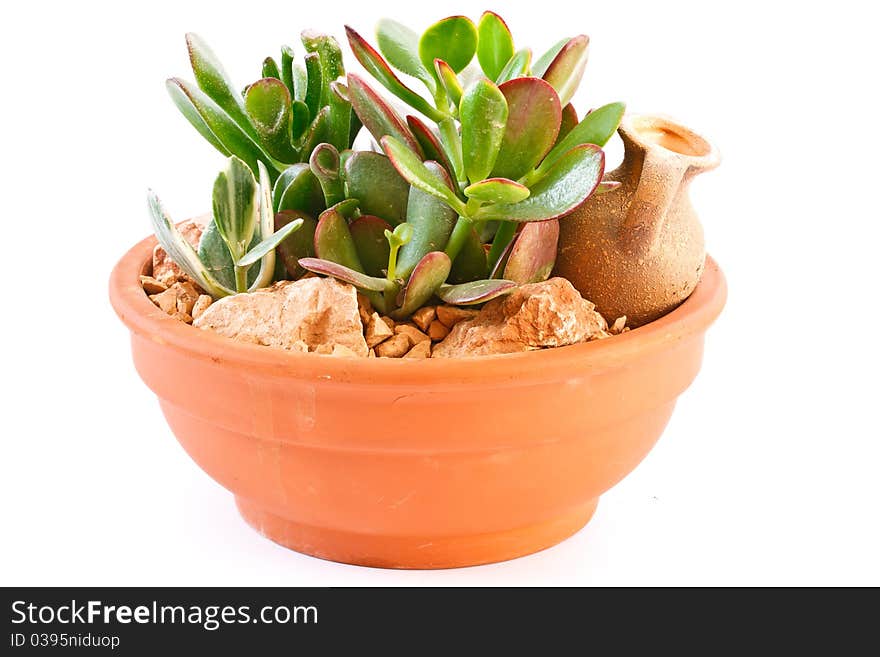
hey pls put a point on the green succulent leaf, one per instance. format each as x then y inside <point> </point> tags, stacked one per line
<point>267,102</point>
<point>214,124</point>
<point>534,253</point>
<point>314,83</point>
<point>372,179</point>
<point>494,45</point>
<point>431,146</point>
<point>427,277</point>
<point>298,189</point>
<point>562,189</point>
<point>215,83</point>
<point>410,166</point>
<point>329,59</point>
<point>543,63</point>
<point>474,292</point>
<point>516,67</point>
<point>497,190</point>
<point>300,244</point>
<point>270,243</point>
<point>270,69</point>
<point>566,70</point>
<point>324,163</point>
<point>533,120</point>
<point>236,206</point>
<point>448,80</point>
<point>372,246</point>
<point>318,131</point>
<point>299,77</point>
<point>483,113</point>
<point>286,70</point>
<point>377,116</point>
<point>339,117</point>
<point>597,127</point>
<point>333,241</point>
<point>300,119</point>
<point>431,219</point>
<point>181,251</point>
<point>371,60</point>
<point>400,45</point>
<point>215,258</point>
<point>470,264</point>
<point>453,39</point>
<point>500,249</point>
<point>346,274</point>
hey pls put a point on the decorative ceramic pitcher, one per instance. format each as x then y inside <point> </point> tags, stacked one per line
<point>638,250</point>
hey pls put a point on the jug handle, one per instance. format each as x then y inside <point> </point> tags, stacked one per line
<point>659,183</point>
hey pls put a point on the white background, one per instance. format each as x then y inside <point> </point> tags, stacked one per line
<point>768,472</point>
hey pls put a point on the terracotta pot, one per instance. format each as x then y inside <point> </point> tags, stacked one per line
<point>415,464</point>
<point>638,250</point>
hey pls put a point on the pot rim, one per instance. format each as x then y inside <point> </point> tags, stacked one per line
<point>146,320</point>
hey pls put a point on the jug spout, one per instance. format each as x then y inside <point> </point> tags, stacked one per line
<point>662,156</point>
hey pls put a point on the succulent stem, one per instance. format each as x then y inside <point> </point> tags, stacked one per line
<point>241,284</point>
<point>458,237</point>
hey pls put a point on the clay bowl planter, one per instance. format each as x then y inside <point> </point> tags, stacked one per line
<point>415,464</point>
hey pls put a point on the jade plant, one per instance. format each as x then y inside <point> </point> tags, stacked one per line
<point>277,120</point>
<point>461,206</point>
<point>505,159</point>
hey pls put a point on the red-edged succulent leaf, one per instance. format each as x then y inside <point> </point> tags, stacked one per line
<point>429,142</point>
<point>410,166</point>
<point>378,116</point>
<point>497,190</point>
<point>452,39</point>
<point>469,294</point>
<point>376,65</point>
<point>567,69</point>
<point>345,274</point>
<point>495,44</point>
<point>534,252</point>
<point>569,121</point>
<point>597,127</point>
<point>543,62</point>
<point>333,241</point>
<point>562,189</point>
<point>400,46</point>
<point>483,111</point>
<point>498,268</point>
<point>533,120</point>
<point>299,245</point>
<point>449,80</point>
<point>298,189</point>
<point>431,272</point>
<point>372,246</point>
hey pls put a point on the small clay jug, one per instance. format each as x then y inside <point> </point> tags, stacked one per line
<point>638,250</point>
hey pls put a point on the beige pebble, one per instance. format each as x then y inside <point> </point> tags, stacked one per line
<point>452,315</point>
<point>424,316</point>
<point>413,333</point>
<point>618,326</point>
<point>393,347</point>
<point>377,331</point>
<point>201,305</point>
<point>152,286</point>
<point>437,330</point>
<point>183,317</point>
<point>390,322</point>
<point>365,308</point>
<point>341,351</point>
<point>420,350</point>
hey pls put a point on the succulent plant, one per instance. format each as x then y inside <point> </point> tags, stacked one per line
<point>464,209</point>
<point>240,235</point>
<point>277,120</point>
<point>507,157</point>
